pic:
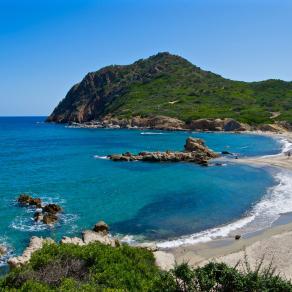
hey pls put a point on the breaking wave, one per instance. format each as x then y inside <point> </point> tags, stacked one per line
<point>277,200</point>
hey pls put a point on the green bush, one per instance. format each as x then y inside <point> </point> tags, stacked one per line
<point>97,267</point>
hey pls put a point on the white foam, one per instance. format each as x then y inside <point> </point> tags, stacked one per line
<point>287,145</point>
<point>100,157</point>
<point>277,200</point>
<point>8,253</point>
<point>151,133</point>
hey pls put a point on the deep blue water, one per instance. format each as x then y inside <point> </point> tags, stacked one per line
<point>156,201</point>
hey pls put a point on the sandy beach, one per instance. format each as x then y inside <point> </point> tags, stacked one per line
<point>271,245</point>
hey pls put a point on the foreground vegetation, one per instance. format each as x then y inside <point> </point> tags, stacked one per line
<point>169,85</point>
<point>97,267</point>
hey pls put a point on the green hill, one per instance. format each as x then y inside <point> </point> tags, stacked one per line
<point>169,85</point>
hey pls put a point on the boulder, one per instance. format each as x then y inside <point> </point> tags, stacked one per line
<point>198,145</point>
<point>237,237</point>
<point>50,218</point>
<point>157,122</point>
<point>101,227</point>
<point>206,125</point>
<point>52,209</point>
<point>166,123</point>
<point>26,200</point>
<point>232,125</point>
<point>72,240</point>
<point>165,261</point>
<point>3,250</point>
<point>89,236</point>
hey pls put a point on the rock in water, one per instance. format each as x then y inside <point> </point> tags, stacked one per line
<point>101,227</point>
<point>50,218</point>
<point>26,200</point>
<point>52,208</point>
<point>195,151</point>
<point>3,250</point>
<point>198,145</point>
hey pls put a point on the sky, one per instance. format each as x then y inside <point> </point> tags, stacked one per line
<point>46,46</point>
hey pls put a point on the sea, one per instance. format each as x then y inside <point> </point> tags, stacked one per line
<point>169,203</point>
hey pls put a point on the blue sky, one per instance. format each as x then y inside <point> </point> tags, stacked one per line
<point>46,46</point>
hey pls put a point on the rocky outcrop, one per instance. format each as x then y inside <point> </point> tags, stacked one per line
<point>72,240</point>
<point>49,218</point>
<point>52,209</point>
<point>89,236</point>
<point>48,214</point>
<point>36,243</point>
<point>101,227</point>
<point>195,151</point>
<point>226,125</point>
<point>158,122</point>
<point>26,200</point>
<point>198,146</point>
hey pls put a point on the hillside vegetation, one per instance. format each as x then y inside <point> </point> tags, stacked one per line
<point>169,85</point>
<point>98,267</point>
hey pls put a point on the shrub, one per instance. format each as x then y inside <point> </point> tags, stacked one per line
<point>97,267</point>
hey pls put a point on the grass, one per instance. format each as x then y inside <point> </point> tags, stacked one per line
<point>97,267</point>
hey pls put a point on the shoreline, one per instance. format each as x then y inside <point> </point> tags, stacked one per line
<point>271,244</point>
<point>225,247</point>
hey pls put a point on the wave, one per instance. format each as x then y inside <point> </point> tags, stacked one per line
<point>9,253</point>
<point>152,133</point>
<point>100,157</point>
<point>286,145</point>
<point>277,200</point>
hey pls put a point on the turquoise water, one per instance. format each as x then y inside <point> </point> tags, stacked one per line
<point>151,201</point>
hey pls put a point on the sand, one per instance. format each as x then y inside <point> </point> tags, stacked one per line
<point>271,245</point>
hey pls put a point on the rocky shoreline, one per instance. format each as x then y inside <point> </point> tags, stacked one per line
<point>195,151</point>
<point>173,124</point>
<point>99,234</point>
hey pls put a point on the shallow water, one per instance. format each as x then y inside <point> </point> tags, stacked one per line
<point>150,201</point>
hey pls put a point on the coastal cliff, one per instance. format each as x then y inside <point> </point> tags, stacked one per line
<point>170,86</point>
